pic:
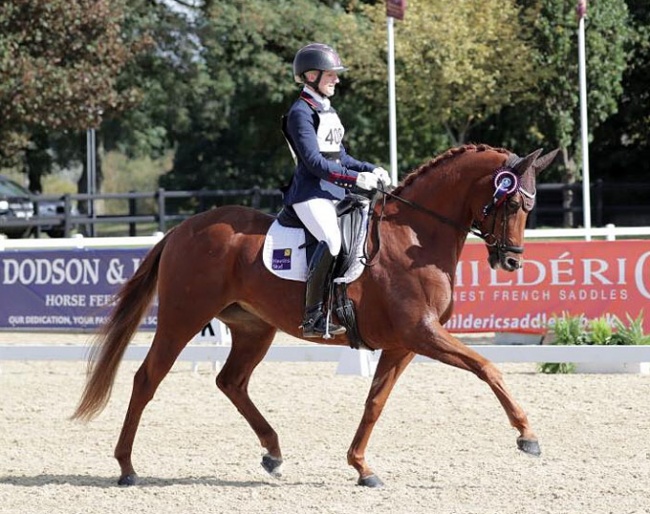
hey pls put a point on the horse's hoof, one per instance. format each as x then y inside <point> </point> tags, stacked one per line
<point>272,465</point>
<point>370,481</point>
<point>128,480</point>
<point>529,446</point>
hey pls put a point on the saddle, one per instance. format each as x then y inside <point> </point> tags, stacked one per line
<point>350,212</point>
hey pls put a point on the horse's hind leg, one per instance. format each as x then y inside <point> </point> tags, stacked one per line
<point>250,342</point>
<point>164,351</point>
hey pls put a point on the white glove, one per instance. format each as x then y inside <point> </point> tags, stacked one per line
<point>383,176</point>
<point>367,181</point>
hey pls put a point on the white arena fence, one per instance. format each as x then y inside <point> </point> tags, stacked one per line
<point>609,232</point>
<point>215,348</point>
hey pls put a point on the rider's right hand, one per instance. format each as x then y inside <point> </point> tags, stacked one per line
<point>367,181</point>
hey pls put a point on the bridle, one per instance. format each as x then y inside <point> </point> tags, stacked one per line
<point>506,184</point>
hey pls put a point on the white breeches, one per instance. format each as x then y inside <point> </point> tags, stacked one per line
<point>319,216</point>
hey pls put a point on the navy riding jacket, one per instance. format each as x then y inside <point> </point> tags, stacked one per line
<point>323,167</point>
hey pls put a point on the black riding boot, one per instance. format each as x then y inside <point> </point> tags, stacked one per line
<point>318,288</point>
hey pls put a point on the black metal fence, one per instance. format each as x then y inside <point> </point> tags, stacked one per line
<point>135,212</point>
<point>619,203</point>
<point>138,213</point>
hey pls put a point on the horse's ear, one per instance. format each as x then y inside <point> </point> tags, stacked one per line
<point>544,162</point>
<point>526,162</point>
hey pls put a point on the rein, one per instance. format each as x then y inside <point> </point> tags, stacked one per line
<point>368,261</point>
<point>501,194</point>
<point>433,214</point>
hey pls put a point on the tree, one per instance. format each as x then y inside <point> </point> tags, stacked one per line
<point>622,142</point>
<point>214,84</point>
<point>59,63</point>
<point>247,46</point>
<point>551,117</point>
<point>456,64</point>
<point>167,76</point>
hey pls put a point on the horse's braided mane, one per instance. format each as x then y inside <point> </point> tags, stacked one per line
<point>449,154</point>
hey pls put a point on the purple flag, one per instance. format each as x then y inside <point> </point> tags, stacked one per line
<point>581,9</point>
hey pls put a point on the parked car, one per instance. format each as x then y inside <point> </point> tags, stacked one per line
<point>19,205</point>
<point>16,207</point>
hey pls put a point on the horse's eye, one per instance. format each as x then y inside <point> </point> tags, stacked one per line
<point>514,203</point>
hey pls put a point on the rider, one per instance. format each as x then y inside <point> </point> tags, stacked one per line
<point>324,173</point>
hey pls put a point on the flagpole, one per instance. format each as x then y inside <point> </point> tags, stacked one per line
<point>392,110</point>
<point>586,190</point>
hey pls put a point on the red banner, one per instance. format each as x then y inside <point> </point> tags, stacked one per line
<point>396,8</point>
<point>594,279</point>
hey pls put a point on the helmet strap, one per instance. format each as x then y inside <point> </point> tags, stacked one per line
<point>315,83</point>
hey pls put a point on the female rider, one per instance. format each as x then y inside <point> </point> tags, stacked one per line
<point>324,174</point>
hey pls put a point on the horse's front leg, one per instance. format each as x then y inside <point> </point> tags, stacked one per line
<point>390,366</point>
<point>446,348</point>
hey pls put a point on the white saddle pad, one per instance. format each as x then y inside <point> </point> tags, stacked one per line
<point>284,257</point>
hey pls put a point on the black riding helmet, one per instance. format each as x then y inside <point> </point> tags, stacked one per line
<point>315,56</point>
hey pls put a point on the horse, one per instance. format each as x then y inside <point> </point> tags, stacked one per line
<point>210,266</point>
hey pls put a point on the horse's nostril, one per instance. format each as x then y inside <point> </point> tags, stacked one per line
<point>513,263</point>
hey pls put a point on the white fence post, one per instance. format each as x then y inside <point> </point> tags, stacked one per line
<point>216,333</point>
<point>356,362</point>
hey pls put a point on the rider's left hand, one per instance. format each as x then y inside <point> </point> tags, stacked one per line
<point>383,175</point>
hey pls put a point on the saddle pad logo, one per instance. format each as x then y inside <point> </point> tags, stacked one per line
<point>281,259</point>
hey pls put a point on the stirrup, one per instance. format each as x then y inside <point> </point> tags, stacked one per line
<point>316,325</point>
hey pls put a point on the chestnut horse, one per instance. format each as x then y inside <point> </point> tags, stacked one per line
<point>211,266</point>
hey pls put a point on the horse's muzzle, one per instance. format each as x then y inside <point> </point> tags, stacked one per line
<point>506,259</point>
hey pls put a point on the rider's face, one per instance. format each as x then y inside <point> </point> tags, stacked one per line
<point>328,83</point>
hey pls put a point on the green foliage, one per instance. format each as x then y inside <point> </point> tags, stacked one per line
<point>632,333</point>
<point>567,330</point>
<point>556,368</point>
<point>447,82</point>
<point>59,62</point>
<point>623,140</point>
<point>247,47</point>
<point>453,70</point>
<point>572,330</point>
<point>213,85</point>
<point>122,174</point>
<point>599,331</point>
<point>171,77</point>
<point>550,116</point>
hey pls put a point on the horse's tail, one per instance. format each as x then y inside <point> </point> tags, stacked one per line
<point>132,301</point>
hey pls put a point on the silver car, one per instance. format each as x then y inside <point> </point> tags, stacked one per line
<point>16,209</point>
<point>18,205</point>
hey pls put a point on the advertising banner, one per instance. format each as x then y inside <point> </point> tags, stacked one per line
<point>73,289</point>
<point>594,279</point>
<point>64,289</point>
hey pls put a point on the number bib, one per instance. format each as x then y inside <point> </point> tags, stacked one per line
<point>330,132</point>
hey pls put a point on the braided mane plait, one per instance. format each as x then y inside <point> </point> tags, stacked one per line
<point>449,154</point>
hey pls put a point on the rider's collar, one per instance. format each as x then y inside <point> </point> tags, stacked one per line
<point>322,102</point>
